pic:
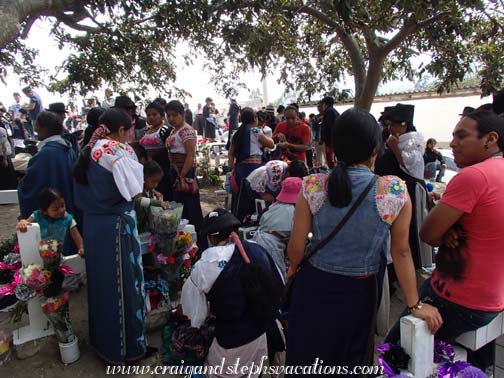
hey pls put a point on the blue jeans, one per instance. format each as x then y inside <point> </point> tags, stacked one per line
<point>456,320</point>
<point>431,168</point>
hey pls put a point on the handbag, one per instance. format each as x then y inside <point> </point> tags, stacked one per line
<point>290,281</point>
<point>184,184</point>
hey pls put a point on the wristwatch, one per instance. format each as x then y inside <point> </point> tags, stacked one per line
<point>416,307</point>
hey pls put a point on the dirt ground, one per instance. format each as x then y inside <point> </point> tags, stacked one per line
<point>41,359</point>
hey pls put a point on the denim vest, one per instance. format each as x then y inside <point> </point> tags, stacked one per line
<point>357,248</point>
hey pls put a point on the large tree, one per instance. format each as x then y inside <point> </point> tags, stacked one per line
<point>313,43</point>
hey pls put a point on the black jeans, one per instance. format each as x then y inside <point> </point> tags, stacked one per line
<point>456,320</point>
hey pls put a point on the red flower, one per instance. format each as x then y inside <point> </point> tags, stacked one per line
<point>170,260</point>
<point>97,154</point>
<point>108,151</point>
<point>192,252</point>
<point>187,263</point>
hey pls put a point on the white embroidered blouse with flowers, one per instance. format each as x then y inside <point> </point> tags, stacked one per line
<point>175,142</point>
<point>121,161</point>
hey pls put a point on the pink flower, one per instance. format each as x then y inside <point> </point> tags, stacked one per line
<point>108,151</point>
<point>97,155</point>
<point>16,248</point>
<point>113,143</point>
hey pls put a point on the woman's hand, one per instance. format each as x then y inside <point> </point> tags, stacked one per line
<point>22,225</point>
<point>80,252</point>
<point>281,137</point>
<point>165,205</point>
<point>393,142</point>
<point>431,315</point>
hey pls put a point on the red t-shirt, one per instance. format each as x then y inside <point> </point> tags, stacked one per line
<point>301,134</point>
<point>478,191</point>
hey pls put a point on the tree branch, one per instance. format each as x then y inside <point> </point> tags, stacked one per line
<point>410,26</point>
<point>432,20</point>
<point>493,20</point>
<point>27,26</point>
<point>73,22</point>
<point>349,43</point>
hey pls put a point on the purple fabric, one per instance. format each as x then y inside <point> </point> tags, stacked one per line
<point>451,369</point>
<point>443,352</point>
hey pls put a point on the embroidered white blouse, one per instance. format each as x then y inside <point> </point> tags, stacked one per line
<point>412,149</point>
<point>121,161</point>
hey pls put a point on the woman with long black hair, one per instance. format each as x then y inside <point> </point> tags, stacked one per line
<point>107,178</point>
<point>154,141</point>
<point>338,282</point>
<point>246,150</point>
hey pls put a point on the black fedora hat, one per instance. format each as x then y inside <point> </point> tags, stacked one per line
<point>124,102</point>
<point>498,102</point>
<point>467,110</point>
<point>57,107</point>
<point>402,114</point>
<point>217,221</point>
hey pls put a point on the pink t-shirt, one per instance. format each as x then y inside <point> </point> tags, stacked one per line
<point>478,191</point>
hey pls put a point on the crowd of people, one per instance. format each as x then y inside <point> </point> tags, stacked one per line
<point>342,198</point>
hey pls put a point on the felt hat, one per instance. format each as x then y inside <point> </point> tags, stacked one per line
<point>94,115</point>
<point>218,220</point>
<point>57,107</point>
<point>467,110</point>
<point>290,190</point>
<point>498,102</point>
<point>124,102</point>
<point>402,113</point>
<point>385,113</point>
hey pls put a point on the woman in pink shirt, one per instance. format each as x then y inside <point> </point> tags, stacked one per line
<point>467,285</point>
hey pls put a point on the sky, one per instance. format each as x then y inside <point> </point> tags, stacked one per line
<point>193,79</point>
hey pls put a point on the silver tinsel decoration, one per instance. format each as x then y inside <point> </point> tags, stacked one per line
<point>12,258</point>
<point>24,292</point>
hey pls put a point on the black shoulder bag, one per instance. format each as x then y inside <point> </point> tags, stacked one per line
<point>322,243</point>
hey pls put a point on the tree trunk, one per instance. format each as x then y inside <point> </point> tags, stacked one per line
<point>372,79</point>
<point>14,12</point>
<point>9,19</point>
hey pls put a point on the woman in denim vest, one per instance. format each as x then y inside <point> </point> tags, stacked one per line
<point>339,283</point>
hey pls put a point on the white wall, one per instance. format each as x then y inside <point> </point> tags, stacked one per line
<point>434,117</point>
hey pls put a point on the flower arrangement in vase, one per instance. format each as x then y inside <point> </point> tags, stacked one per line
<point>176,267</point>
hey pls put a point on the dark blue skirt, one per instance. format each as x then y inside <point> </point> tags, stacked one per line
<point>330,318</point>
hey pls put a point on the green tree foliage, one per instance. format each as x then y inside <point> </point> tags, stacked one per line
<point>312,43</point>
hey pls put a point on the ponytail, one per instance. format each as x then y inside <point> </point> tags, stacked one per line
<point>339,186</point>
<point>81,166</point>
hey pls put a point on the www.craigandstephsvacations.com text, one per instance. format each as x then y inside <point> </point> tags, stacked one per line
<point>244,370</point>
